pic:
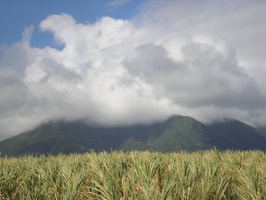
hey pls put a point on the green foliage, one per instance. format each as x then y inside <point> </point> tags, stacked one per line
<point>136,175</point>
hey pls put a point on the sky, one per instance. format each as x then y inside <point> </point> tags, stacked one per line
<point>122,62</point>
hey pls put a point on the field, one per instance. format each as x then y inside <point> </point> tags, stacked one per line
<point>136,175</point>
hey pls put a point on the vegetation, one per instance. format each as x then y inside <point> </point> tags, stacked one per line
<point>136,175</point>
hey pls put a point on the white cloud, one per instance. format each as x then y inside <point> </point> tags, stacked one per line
<point>199,58</point>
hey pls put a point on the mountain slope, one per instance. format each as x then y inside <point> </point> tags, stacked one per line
<point>233,134</point>
<point>69,137</point>
<point>175,134</point>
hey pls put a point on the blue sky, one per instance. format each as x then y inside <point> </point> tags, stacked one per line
<point>15,15</point>
<point>122,62</point>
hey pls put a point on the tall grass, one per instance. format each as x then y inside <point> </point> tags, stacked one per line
<point>136,175</point>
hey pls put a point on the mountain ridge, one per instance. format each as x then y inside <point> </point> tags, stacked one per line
<point>176,133</point>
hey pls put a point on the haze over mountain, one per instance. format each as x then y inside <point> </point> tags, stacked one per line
<point>177,133</point>
<point>126,62</point>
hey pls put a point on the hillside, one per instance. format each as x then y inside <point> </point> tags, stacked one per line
<point>174,134</point>
<point>233,134</point>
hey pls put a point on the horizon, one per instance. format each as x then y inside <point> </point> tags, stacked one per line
<point>118,62</point>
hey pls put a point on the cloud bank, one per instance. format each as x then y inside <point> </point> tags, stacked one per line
<point>205,59</point>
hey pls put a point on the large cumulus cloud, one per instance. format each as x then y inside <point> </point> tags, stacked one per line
<point>199,58</point>
<point>203,77</point>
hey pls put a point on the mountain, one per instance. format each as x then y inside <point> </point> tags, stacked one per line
<point>174,134</point>
<point>233,134</point>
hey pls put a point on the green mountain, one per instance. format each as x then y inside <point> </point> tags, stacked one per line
<point>174,134</point>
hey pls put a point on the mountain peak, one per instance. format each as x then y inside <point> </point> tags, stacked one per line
<point>179,117</point>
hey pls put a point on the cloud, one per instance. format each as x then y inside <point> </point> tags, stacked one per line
<point>199,58</point>
<point>117,3</point>
<point>241,24</point>
<point>13,91</point>
<point>222,45</point>
<point>83,80</point>
<point>204,77</point>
